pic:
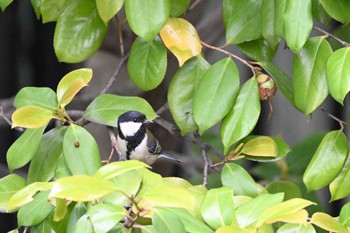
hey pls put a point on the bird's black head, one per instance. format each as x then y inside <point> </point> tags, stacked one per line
<point>132,123</point>
<point>132,116</point>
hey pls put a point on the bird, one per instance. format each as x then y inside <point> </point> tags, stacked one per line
<point>136,142</point>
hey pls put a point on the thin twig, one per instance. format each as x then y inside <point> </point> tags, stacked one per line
<point>120,36</point>
<point>204,150</point>
<point>193,5</point>
<point>245,62</point>
<point>341,122</point>
<point>344,43</point>
<point>8,121</point>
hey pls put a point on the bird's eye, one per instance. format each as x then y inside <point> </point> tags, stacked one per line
<point>135,120</point>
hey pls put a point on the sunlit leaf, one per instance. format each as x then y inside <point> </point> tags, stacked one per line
<point>260,146</point>
<point>181,93</point>
<point>340,186</point>
<point>272,12</point>
<point>108,8</point>
<point>71,84</point>
<point>36,96</point>
<point>9,185</point>
<point>105,109</point>
<point>31,117</point>
<point>165,221</point>
<point>181,38</point>
<point>339,11</point>
<point>115,169</point>
<point>4,4</point>
<point>290,189</point>
<point>52,9</point>
<point>60,210</point>
<point>344,216</point>
<point>231,229</point>
<point>327,223</point>
<point>296,228</point>
<point>84,225</point>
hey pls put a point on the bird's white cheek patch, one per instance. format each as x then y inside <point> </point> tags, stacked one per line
<point>130,128</point>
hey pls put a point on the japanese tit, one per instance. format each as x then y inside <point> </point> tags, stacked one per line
<point>135,141</point>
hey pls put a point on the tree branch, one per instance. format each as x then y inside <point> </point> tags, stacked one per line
<point>344,43</point>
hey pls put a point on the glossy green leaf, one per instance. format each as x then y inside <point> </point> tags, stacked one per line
<point>178,7</point>
<point>338,74</point>
<point>167,222</point>
<point>9,185</point>
<point>249,212</point>
<point>296,228</point>
<point>105,216</point>
<point>44,161</point>
<point>36,96</point>
<point>84,225</point>
<point>181,38</point>
<point>147,63</point>
<point>290,189</point>
<point>272,12</point>
<point>344,216</point>
<point>61,169</point>
<point>283,82</point>
<point>77,212</point>
<point>339,11</point>
<point>36,211</point>
<point>105,109</point>
<point>81,151</point>
<point>81,188</point>
<point>31,117</point>
<point>60,210</point>
<point>216,93</point>
<point>244,115</point>
<point>149,180</point>
<point>243,20</point>
<point>260,146</point>
<point>108,8</point>
<point>217,208</point>
<point>147,17</point>
<point>4,4</point>
<point>52,9</point>
<point>79,32</point>
<point>297,22</point>
<point>181,92</point>
<point>329,158</point>
<point>309,74</point>
<point>259,50</point>
<point>327,223</point>
<point>115,169</point>
<point>231,229</point>
<point>340,186</point>
<point>320,14</point>
<point>43,227</point>
<point>24,148</point>
<point>238,178</point>
<point>71,84</point>
<point>25,194</point>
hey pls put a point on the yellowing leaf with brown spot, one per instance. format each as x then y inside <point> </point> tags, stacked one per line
<point>31,117</point>
<point>181,38</point>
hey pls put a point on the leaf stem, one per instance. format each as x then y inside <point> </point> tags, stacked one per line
<point>341,122</point>
<point>344,43</point>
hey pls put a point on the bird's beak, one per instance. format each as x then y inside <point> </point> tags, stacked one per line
<point>147,121</point>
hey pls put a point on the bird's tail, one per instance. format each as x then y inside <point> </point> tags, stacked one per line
<point>169,156</point>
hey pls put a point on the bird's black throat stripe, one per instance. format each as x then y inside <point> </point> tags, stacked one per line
<point>133,141</point>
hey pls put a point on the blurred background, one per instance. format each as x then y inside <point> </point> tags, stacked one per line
<point>27,58</point>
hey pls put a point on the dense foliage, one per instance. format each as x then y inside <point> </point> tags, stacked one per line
<point>68,189</point>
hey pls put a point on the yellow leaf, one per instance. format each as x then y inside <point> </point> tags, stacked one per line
<point>260,146</point>
<point>31,117</point>
<point>181,38</point>
<point>299,217</point>
<point>327,223</point>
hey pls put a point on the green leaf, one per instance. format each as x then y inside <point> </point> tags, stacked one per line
<point>84,225</point>
<point>259,50</point>
<point>81,151</point>
<point>309,74</point>
<point>178,7</point>
<point>329,158</point>
<point>338,74</point>
<point>44,161</point>
<point>283,82</point>
<point>31,117</point>
<point>61,169</point>
<point>238,178</point>
<point>283,209</point>
<point>36,6</point>
<point>249,212</point>
<point>52,9</point>
<point>290,189</point>
<point>230,229</point>
<point>296,228</point>
<point>4,4</point>
<point>297,22</point>
<point>167,222</point>
<point>71,84</point>
<point>181,92</point>
<point>9,185</point>
<point>327,223</point>
<point>24,148</point>
<point>36,211</point>
<point>339,11</point>
<point>272,20</point>
<point>181,38</point>
<point>25,194</point>
<point>79,32</point>
<point>344,216</point>
<point>43,227</point>
<point>243,20</point>
<point>105,109</point>
<point>60,210</point>
<point>260,146</point>
<point>147,63</point>
<point>36,96</point>
<point>216,93</point>
<point>247,106</point>
<point>340,186</point>
<point>81,188</point>
<point>105,216</point>
<point>115,169</point>
<point>108,8</point>
<point>217,208</point>
<point>147,17</point>
<point>77,212</point>
<point>320,14</point>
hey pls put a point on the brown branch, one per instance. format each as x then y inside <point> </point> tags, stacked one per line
<point>204,149</point>
<point>341,122</point>
<point>344,43</point>
<point>120,36</point>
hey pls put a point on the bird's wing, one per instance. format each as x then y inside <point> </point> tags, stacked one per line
<point>153,144</point>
